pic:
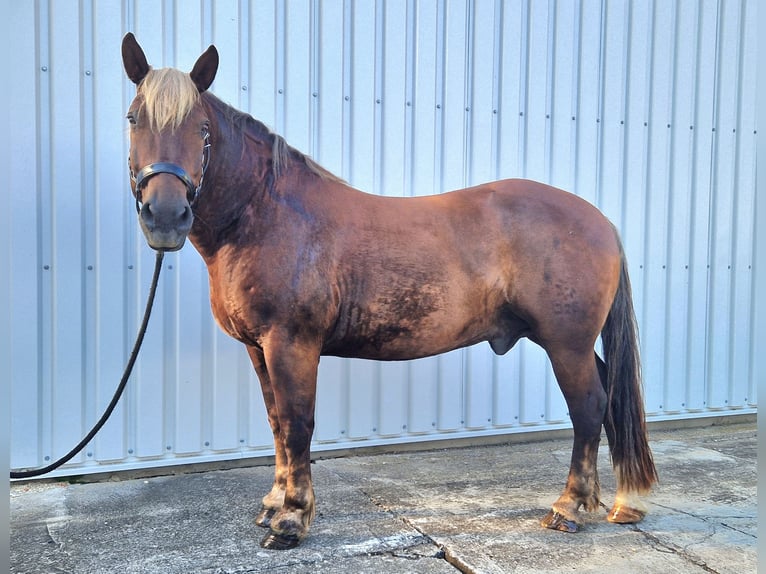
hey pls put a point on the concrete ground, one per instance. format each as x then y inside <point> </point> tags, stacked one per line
<point>474,509</point>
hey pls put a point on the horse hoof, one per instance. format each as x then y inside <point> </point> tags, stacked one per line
<point>625,515</point>
<point>278,541</point>
<point>264,517</point>
<point>556,521</point>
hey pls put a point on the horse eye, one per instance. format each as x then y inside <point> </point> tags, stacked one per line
<point>131,118</point>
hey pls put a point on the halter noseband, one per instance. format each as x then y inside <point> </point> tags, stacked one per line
<point>141,178</point>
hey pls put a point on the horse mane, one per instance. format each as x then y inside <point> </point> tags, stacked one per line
<point>169,96</point>
<point>283,155</point>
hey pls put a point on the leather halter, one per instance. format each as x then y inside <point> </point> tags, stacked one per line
<point>141,178</point>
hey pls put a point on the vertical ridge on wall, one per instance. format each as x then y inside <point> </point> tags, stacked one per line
<point>646,109</point>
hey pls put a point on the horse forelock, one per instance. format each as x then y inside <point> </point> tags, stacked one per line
<point>169,96</point>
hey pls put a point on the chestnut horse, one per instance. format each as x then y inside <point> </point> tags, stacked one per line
<point>303,265</point>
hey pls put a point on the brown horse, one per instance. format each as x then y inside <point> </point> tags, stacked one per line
<point>302,265</point>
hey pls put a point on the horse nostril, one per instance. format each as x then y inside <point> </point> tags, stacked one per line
<point>186,214</point>
<point>147,215</point>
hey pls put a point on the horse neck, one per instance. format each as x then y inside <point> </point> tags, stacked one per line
<point>239,175</point>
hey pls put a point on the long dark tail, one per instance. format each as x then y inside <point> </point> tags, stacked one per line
<point>625,422</point>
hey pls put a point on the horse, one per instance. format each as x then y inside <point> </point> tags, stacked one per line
<point>302,265</point>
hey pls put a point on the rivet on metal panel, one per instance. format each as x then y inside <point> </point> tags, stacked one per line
<point>244,88</point>
<point>87,72</point>
<point>130,451</point>
<point>90,267</point>
<point>378,100</point>
<point>169,447</point>
<point>90,454</point>
<point>438,106</point>
<point>47,458</point>
<point>315,94</point>
<point>207,443</point>
<point>170,267</point>
<point>347,98</point>
<point>130,267</point>
<point>46,267</point>
<point>44,68</point>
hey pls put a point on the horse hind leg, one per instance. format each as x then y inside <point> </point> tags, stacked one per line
<point>628,507</point>
<point>579,381</point>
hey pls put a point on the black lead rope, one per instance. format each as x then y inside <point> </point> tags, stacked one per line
<point>117,393</point>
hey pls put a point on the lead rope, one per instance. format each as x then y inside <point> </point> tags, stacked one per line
<point>120,387</point>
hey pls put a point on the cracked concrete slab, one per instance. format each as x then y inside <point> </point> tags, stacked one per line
<point>472,510</point>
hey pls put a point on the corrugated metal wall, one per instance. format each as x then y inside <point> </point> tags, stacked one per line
<point>645,108</point>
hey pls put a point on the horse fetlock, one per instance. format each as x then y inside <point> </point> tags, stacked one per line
<point>628,509</point>
<point>265,516</point>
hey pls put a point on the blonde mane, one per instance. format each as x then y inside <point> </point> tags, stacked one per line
<point>168,97</point>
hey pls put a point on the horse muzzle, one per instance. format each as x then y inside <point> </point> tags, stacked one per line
<point>166,219</point>
<point>164,214</point>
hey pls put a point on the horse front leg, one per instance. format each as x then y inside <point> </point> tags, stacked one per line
<point>289,508</point>
<point>273,501</point>
<point>578,379</point>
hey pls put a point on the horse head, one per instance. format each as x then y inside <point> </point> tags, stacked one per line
<point>169,143</point>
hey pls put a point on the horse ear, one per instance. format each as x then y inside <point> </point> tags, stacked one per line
<point>203,72</point>
<point>134,59</point>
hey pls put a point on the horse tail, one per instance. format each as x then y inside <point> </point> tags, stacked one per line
<point>625,422</point>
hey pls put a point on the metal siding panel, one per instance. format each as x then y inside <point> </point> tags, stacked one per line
<point>536,106</point>
<point>454,169</point>
<point>66,231</point>
<point>424,100</point>
<point>332,390</point>
<point>423,395</point>
<point>362,98</point>
<point>723,233</point>
<point>588,106</point>
<point>450,396</point>
<point>562,99</point>
<point>362,399</point>
<point>261,43</point>
<point>332,47</point>
<point>24,185</point>
<point>392,92</point>
<point>511,101</point>
<point>298,67</point>
<point>743,374</point>
<point>112,193</point>
<point>481,99</point>
<point>699,244</point>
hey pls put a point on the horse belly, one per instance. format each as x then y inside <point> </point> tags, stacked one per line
<point>404,328</point>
